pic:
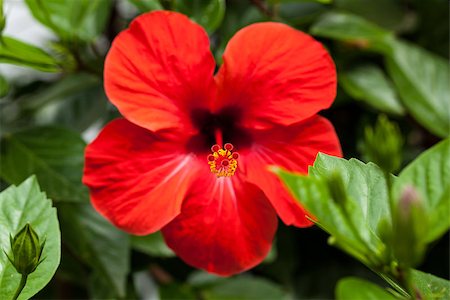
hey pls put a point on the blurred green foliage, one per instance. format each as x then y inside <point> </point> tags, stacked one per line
<point>392,59</point>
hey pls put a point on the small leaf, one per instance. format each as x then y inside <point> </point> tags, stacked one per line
<point>54,154</point>
<point>359,289</point>
<point>369,84</point>
<point>354,221</point>
<point>15,52</point>
<point>423,87</point>
<point>18,206</point>
<point>208,13</point>
<point>430,286</point>
<point>72,20</point>
<point>152,244</point>
<point>351,28</point>
<point>97,243</point>
<point>430,174</point>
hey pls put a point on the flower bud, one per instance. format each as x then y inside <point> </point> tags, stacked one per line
<point>383,145</point>
<point>410,225</point>
<point>26,250</point>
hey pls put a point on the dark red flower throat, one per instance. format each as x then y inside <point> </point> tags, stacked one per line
<point>211,126</point>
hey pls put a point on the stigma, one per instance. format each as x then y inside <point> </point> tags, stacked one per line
<point>223,162</point>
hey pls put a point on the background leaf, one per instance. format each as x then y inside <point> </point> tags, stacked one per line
<point>359,289</point>
<point>244,288</point>
<point>208,13</point>
<point>369,84</point>
<point>72,20</point>
<point>16,52</point>
<point>152,244</point>
<point>18,206</point>
<point>77,101</point>
<point>424,87</point>
<point>54,154</point>
<point>146,5</point>
<point>352,28</point>
<point>97,243</point>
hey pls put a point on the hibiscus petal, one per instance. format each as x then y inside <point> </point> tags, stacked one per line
<point>293,148</point>
<point>226,226</point>
<point>137,179</point>
<point>274,74</point>
<point>160,69</point>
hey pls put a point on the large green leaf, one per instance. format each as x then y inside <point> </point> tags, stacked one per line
<point>369,84</point>
<point>97,243</point>
<point>430,174</point>
<point>359,289</point>
<point>19,206</point>
<point>13,51</point>
<point>54,154</point>
<point>429,286</point>
<point>422,80</point>
<point>72,20</point>
<point>351,28</point>
<point>352,220</point>
<point>152,244</point>
<point>208,13</point>
<point>244,288</point>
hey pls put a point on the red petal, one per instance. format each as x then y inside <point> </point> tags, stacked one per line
<point>275,74</point>
<point>226,226</point>
<point>293,148</point>
<point>137,179</point>
<point>159,69</point>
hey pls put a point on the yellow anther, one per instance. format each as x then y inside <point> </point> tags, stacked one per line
<point>223,162</point>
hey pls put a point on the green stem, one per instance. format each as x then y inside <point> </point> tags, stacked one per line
<point>23,282</point>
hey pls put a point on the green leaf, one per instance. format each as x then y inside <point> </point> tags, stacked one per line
<point>295,1</point>
<point>18,206</point>
<point>97,243</point>
<point>353,220</point>
<point>4,86</point>
<point>152,244</point>
<point>72,20</point>
<point>351,28</point>
<point>369,84</point>
<point>244,288</point>
<point>147,5</point>
<point>76,102</point>
<point>207,13</point>
<point>430,174</point>
<point>386,13</point>
<point>54,154</point>
<point>430,286</point>
<point>2,18</point>
<point>15,52</point>
<point>359,289</point>
<point>423,87</point>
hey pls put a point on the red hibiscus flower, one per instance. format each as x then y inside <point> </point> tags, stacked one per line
<point>191,156</point>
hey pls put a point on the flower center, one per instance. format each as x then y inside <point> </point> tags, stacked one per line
<point>223,162</point>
